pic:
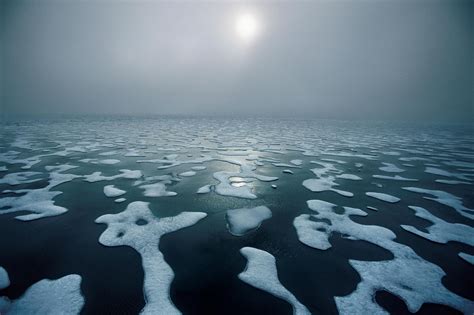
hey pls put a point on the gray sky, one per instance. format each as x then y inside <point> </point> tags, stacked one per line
<point>339,59</point>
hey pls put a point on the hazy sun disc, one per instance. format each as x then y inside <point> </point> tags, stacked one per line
<point>247,27</point>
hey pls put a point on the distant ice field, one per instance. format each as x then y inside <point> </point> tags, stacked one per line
<point>187,215</point>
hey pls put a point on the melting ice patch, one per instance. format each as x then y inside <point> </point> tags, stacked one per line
<point>225,188</point>
<point>324,181</point>
<point>383,197</point>
<point>157,190</point>
<point>446,199</point>
<point>390,168</point>
<point>19,178</point>
<point>408,275</point>
<point>396,177</point>
<point>204,189</point>
<point>261,273</point>
<point>467,257</point>
<point>61,296</point>
<point>138,228</point>
<point>441,231</point>
<point>242,221</point>
<point>4,280</point>
<point>39,201</point>
<point>124,173</point>
<point>112,191</point>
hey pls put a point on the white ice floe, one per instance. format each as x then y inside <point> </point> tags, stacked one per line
<point>19,178</point>
<point>296,162</point>
<point>3,169</point>
<point>187,174</point>
<point>446,199</point>
<point>407,276</point>
<point>112,191</point>
<point>452,182</point>
<point>61,296</point>
<point>325,181</point>
<point>4,279</point>
<point>39,201</point>
<point>288,171</point>
<point>138,228</point>
<point>383,197</point>
<point>198,168</point>
<point>325,184</point>
<point>274,186</point>
<point>242,221</point>
<point>349,177</point>
<point>124,173</point>
<point>261,273</point>
<point>204,189</point>
<point>467,257</point>
<point>441,172</point>
<point>157,190</point>
<point>396,177</point>
<point>109,161</point>
<point>119,200</point>
<point>225,187</point>
<point>441,231</point>
<point>285,165</point>
<point>390,168</point>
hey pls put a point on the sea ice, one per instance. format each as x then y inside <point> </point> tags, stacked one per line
<point>261,273</point>
<point>187,174</point>
<point>296,162</point>
<point>441,231</point>
<point>467,257</point>
<point>242,221</point>
<point>446,199</point>
<point>138,228</point>
<point>396,177</point>
<point>407,275</point>
<point>112,191</point>
<point>204,189</point>
<point>391,168</point>
<point>349,176</point>
<point>4,280</point>
<point>383,197</point>
<point>157,190</point>
<point>61,296</point>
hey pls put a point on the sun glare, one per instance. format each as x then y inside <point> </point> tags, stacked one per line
<point>247,27</point>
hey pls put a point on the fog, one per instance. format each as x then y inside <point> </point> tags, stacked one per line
<point>328,59</point>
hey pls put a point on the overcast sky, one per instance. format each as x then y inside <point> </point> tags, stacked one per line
<point>339,59</point>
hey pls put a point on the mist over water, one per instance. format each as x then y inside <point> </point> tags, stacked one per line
<point>405,60</point>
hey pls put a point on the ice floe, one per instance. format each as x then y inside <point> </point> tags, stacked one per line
<point>112,191</point>
<point>407,275</point>
<point>138,228</point>
<point>390,168</point>
<point>61,296</point>
<point>383,197</point>
<point>4,279</point>
<point>124,173</point>
<point>396,177</point>
<point>19,178</point>
<point>204,189</point>
<point>261,273</point>
<point>349,177</point>
<point>467,257</point>
<point>39,201</point>
<point>187,174</point>
<point>441,231</point>
<point>242,221</point>
<point>446,199</point>
<point>157,190</point>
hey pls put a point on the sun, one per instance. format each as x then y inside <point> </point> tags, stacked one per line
<point>247,27</point>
